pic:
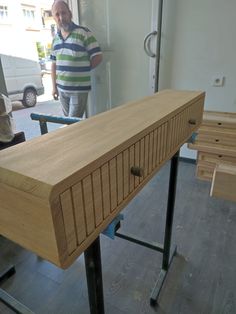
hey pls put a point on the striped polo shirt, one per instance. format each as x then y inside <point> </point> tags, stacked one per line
<point>72,56</point>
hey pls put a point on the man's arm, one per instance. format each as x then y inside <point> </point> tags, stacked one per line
<point>96,60</point>
<point>53,76</point>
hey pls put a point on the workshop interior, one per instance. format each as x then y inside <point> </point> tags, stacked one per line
<point>129,207</point>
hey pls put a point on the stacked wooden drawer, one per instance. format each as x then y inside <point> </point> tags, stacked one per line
<point>215,142</point>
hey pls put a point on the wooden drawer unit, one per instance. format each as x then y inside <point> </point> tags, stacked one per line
<point>59,191</point>
<point>215,141</point>
<point>219,120</point>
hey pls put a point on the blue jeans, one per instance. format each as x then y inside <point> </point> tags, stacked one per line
<point>73,105</point>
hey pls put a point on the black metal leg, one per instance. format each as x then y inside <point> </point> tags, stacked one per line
<point>170,209</point>
<point>43,127</point>
<point>92,256</point>
<point>7,273</point>
<point>166,261</point>
<point>7,299</point>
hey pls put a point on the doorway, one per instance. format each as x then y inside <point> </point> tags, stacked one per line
<point>127,72</point>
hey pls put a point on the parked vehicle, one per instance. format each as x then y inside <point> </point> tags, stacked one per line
<point>23,79</point>
<point>45,65</point>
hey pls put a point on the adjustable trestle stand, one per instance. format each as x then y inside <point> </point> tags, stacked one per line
<point>93,255</point>
<point>166,248</point>
<point>167,257</point>
<point>93,265</point>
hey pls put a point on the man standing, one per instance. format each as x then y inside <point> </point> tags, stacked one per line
<point>75,52</point>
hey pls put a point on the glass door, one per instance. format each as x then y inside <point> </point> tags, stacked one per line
<point>121,27</point>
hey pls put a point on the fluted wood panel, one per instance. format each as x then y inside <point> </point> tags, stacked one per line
<point>79,212</point>
<point>120,180</point>
<point>105,190</point>
<point>112,183</point>
<point>137,154</point>
<point>68,217</point>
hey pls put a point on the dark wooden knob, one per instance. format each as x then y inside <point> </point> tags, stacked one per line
<point>192,121</point>
<point>136,171</point>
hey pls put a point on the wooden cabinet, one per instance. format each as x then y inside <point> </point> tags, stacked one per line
<point>215,142</point>
<point>59,191</point>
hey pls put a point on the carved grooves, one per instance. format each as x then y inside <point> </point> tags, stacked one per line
<point>90,201</point>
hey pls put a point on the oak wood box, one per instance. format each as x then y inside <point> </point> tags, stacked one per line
<point>60,190</point>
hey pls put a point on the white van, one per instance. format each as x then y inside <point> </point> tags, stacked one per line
<point>23,79</point>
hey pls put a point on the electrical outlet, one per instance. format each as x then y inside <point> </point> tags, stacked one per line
<point>218,81</point>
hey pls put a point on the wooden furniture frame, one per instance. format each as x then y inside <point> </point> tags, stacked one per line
<point>92,254</point>
<point>68,185</point>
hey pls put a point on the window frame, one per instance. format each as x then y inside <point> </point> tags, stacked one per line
<point>4,17</point>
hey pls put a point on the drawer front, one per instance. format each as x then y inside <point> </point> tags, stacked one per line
<point>204,173</point>
<point>219,124</point>
<point>215,158</point>
<point>88,203</point>
<point>217,138</point>
<point>183,124</point>
<point>207,162</point>
<point>219,120</point>
<point>104,192</point>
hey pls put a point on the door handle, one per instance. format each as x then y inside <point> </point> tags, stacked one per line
<point>146,44</point>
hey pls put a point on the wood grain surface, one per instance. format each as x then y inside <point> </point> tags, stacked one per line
<point>59,191</point>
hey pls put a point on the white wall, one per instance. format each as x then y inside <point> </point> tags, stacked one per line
<point>198,45</point>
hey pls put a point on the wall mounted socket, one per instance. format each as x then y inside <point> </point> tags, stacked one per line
<point>218,81</point>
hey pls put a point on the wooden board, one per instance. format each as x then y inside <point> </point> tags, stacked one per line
<point>219,136</point>
<point>219,119</point>
<point>215,158</point>
<point>59,191</point>
<point>224,182</point>
<point>214,149</point>
<point>205,170</point>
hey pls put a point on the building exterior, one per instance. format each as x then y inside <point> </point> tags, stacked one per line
<point>24,26</point>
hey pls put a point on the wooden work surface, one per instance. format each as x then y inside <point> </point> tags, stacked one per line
<point>60,190</point>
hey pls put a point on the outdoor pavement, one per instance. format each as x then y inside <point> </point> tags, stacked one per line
<point>46,105</point>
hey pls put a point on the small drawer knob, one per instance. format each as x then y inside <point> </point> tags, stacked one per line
<point>192,121</point>
<point>136,171</point>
